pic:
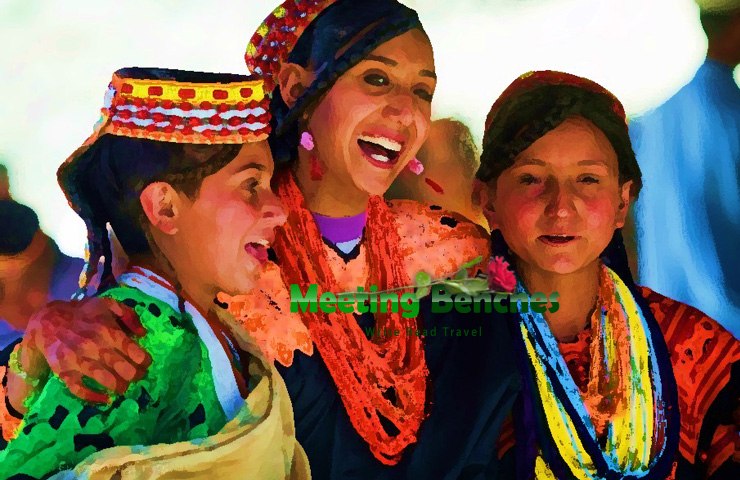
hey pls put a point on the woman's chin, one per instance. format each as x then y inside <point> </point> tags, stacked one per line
<point>375,184</point>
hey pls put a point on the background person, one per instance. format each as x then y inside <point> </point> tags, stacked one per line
<point>688,216</point>
<point>449,160</point>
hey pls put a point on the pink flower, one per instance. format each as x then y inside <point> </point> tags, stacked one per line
<point>500,277</point>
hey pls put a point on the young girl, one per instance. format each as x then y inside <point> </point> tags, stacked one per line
<point>180,169</point>
<point>351,109</point>
<point>620,382</point>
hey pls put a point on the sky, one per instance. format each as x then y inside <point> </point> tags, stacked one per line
<point>57,57</point>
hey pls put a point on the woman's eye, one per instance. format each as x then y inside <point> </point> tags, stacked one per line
<point>250,186</point>
<point>589,179</point>
<point>528,179</point>
<point>377,80</point>
<point>424,95</point>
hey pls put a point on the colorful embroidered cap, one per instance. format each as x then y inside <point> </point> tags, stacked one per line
<point>185,107</point>
<point>538,102</point>
<point>179,106</point>
<point>533,80</point>
<point>275,38</point>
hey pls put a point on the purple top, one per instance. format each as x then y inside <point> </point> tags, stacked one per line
<point>342,229</point>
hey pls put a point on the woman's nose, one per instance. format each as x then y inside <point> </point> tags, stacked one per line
<point>400,108</point>
<point>273,210</point>
<point>560,202</point>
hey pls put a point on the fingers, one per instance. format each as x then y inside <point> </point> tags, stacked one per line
<point>113,360</point>
<point>128,348</point>
<point>125,317</point>
<point>73,381</point>
<point>106,366</point>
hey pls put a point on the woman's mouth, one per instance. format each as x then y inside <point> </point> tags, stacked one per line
<point>258,250</point>
<point>383,152</point>
<point>558,240</point>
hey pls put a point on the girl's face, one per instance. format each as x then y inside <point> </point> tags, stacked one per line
<point>558,205</point>
<point>376,116</point>
<point>223,233</point>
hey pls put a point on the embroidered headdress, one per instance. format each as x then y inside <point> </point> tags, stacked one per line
<point>327,36</point>
<point>538,102</point>
<point>149,116</point>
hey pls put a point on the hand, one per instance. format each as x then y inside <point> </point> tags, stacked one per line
<point>90,338</point>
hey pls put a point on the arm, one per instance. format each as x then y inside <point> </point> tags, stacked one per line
<point>81,339</point>
<point>437,241</point>
<point>60,430</point>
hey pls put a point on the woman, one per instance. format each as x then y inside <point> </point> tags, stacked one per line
<point>183,196</point>
<point>355,81</point>
<point>620,382</point>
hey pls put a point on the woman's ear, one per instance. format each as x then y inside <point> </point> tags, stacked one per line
<point>293,80</point>
<point>482,197</point>
<point>625,200</point>
<point>161,205</point>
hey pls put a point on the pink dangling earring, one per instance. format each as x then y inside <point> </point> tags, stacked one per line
<point>307,140</point>
<point>317,169</point>
<point>415,166</point>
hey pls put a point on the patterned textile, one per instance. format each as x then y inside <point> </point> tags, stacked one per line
<point>61,430</point>
<point>702,354</point>
<point>258,443</point>
<point>432,240</point>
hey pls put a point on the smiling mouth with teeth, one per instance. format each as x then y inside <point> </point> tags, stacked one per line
<point>557,240</point>
<point>382,152</point>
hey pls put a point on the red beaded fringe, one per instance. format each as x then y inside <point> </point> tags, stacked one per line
<point>363,370</point>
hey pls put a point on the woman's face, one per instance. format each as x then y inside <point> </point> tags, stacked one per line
<point>558,205</point>
<point>374,119</point>
<point>223,233</point>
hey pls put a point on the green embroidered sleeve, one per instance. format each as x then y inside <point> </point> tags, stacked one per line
<point>175,401</point>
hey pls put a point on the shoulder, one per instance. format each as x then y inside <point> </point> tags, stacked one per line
<point>433,218</point>
<point>702,354</point>
<point>435,240</point>
<point>680,322</point>
<point>158,317</point>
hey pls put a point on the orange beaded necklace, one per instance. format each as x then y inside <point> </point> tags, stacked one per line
<point>383,378</point>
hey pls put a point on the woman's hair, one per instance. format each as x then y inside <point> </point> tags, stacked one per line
<point>108,179</point>
<point>338,39</point>
<point>537,103</point>
<point>20,224</point>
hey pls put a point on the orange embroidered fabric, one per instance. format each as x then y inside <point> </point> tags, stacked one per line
<point>702,353</point>
<point>431,239</point>
<point>382,378</point>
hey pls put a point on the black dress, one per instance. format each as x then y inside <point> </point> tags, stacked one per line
<point>472,386</point>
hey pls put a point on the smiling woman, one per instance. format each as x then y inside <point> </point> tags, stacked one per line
<point>356,88</point>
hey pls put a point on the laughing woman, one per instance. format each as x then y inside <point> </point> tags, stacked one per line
<point>620,382</point>
<point>351,106</point>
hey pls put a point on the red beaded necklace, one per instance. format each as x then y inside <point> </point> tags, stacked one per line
<point>383,377</point>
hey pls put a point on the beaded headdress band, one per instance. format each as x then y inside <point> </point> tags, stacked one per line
<point>185,107</point>
<point>275,38</point>
<point>532,80</point>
